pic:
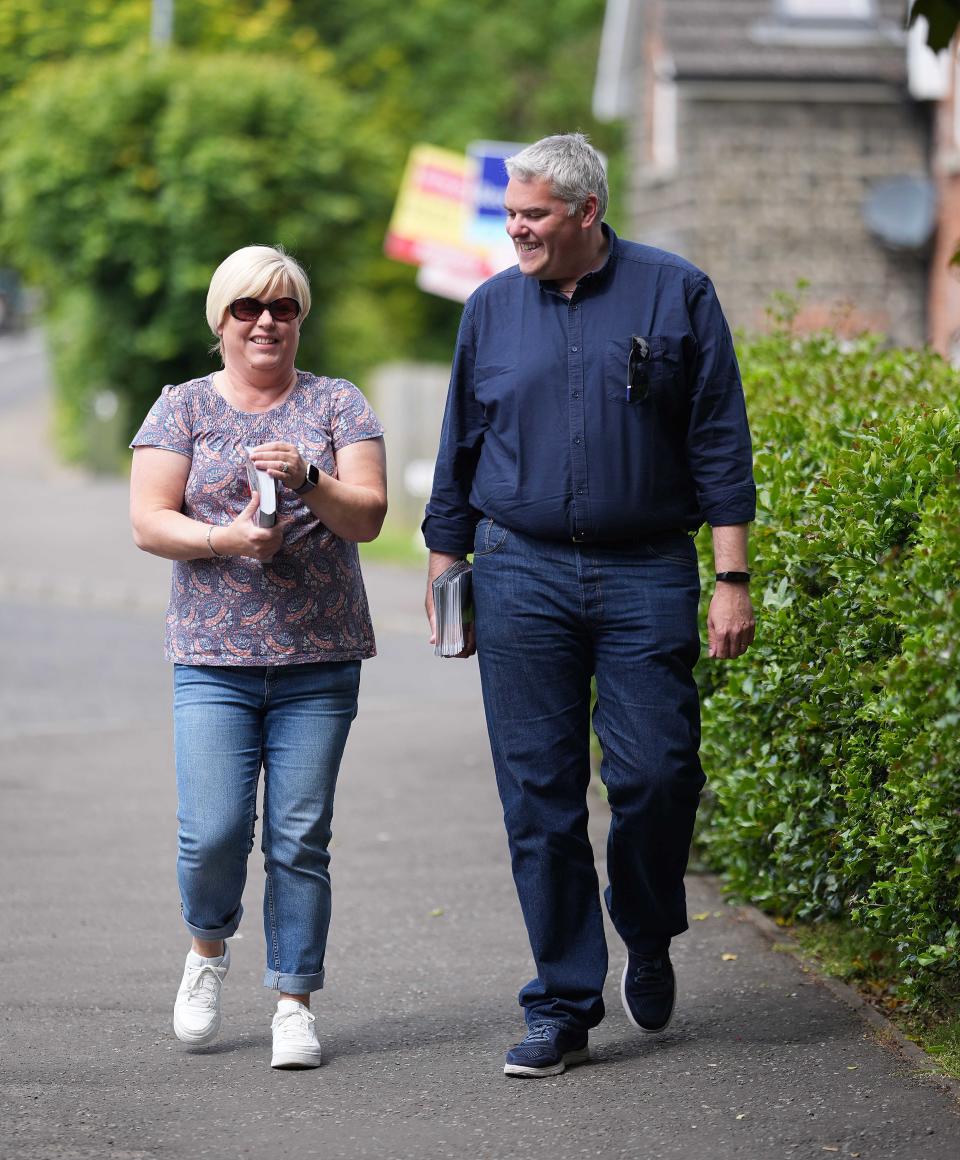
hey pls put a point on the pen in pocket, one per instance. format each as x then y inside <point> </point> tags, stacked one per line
<point>637,379</point>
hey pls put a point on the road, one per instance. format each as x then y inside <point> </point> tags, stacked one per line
<point>427,949</point>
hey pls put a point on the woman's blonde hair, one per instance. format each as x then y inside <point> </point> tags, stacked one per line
<point>264,272</point>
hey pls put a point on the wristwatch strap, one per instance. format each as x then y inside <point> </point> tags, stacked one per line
<point>734,577</point>
<point>310,481</point>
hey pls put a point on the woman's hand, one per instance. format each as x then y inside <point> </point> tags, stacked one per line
<point>157,485</point>
<point>351,501</point>
<point>283,461</point>
<point>244,537</point>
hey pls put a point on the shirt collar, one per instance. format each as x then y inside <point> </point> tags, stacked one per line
<point>595,278</point>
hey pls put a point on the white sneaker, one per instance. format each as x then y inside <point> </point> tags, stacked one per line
<point>294,1037</point>
<point>196,1013</point>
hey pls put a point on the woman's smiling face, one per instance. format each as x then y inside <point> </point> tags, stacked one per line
<point>264,346</point>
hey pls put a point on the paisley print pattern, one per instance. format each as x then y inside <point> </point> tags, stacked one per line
<point>308,603</point>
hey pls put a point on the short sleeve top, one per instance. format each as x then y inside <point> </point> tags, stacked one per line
<point>308,603</point>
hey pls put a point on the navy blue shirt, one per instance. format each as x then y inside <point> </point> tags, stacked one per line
<point>541,434</point>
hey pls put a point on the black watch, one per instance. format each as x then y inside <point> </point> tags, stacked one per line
<point>310,479</point>
<point>734,577</point>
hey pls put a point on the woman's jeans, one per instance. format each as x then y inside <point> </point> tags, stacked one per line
<point>229,722</point>
<point>549,616</point>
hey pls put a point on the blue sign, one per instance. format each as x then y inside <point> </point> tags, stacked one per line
<point>489,185</point>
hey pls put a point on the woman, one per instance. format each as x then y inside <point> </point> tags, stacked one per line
<point>266,627</point>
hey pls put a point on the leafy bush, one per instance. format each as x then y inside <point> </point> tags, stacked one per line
<point>833,747</point>
<point>125,181</point>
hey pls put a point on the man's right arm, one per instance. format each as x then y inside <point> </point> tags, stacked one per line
<point>450,521</point>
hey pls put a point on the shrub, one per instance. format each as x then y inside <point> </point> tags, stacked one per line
<point>832,746</point>
<point>126,180</point>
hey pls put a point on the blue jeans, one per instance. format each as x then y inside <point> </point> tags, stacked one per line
<point>549,616</point>
<point>229,722</point>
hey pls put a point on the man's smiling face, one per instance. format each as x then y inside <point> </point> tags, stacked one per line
<point>549,241</point>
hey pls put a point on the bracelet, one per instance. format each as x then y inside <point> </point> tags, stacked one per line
<point>733,577</point>
<point>219,555</point>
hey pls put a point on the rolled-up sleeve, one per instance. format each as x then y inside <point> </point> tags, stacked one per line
<point>719,450</point>
<point>450,519</point>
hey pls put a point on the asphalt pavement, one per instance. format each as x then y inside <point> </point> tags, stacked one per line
<point>427,948</point>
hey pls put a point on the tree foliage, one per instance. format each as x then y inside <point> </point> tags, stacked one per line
<point>34,32</point>
<point>128,180</point>
<point>453,71</point>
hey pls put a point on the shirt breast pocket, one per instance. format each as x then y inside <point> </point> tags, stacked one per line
<point>642,370</point>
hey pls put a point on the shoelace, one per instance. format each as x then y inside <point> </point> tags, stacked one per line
<point>648,970</point>
<point>294,1022</point>
<point>204,986</point>
<point>540,1033</point>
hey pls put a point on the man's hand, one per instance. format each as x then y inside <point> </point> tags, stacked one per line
<point>730,621</point>
<point>440,562</point>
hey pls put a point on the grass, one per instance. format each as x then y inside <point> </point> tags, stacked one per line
<point>870,965</point>
<point>396,544</point>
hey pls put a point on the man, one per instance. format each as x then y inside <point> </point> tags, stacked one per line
<point>595,420</point>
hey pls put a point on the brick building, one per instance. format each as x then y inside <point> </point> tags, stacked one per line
<point>773,141</point>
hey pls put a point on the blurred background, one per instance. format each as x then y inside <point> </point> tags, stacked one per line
<point>808,148</point>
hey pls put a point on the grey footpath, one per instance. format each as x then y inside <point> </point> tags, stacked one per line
<point>427,948</point>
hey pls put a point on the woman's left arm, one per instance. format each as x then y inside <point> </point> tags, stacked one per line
<point>352,504</point>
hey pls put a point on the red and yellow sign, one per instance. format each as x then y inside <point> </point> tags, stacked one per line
<point>429,223</point>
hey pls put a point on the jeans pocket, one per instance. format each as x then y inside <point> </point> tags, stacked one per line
<point>490,537</point>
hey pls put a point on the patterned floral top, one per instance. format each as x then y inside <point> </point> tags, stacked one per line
<point>308,603</point>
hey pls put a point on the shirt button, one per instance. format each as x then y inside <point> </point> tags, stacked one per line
<point>574,307</point>
<point>577,440</point>
<point>574,349</point>
<point>575,395</point>
<point>579,491</point>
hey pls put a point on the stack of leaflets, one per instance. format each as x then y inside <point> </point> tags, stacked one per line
<point>452,608</point>
<point>266,485</point>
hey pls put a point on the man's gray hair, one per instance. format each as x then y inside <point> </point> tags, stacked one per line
<point>571,165</point>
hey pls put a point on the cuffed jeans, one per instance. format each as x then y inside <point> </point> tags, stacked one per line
<point>229,722</point>
<point>549,616</point>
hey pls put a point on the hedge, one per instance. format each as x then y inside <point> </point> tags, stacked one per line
<point>833,746</point>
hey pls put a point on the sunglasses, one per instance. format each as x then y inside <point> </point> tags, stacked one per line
<point>638,381</point>
<point>250,309</point>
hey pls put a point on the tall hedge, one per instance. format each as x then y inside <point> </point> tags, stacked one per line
<point>833,746</point>
<point>126,180</point>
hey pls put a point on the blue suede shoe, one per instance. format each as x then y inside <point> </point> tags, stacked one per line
<point>648,991</point>
<point>547,1049</point>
